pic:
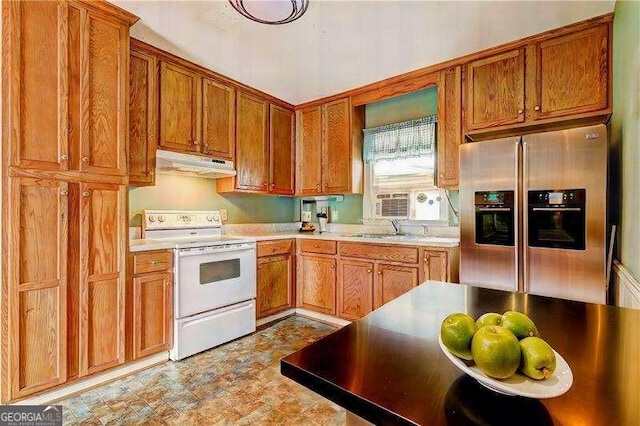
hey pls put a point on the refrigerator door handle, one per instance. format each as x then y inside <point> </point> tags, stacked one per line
<point>556,209</point>
<point>494,209</point>
<point>516,215</point>
<point>524,236</point>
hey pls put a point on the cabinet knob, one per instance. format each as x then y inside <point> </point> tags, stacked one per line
<point>275,249</point>
<point>168,283</point>
<point>441,175</point>
<point>318,186</point>
<point>316,246</point>
<point>64,157</point>
<point>326,184</point>
<point>85,159</point>
<point>264,184</point>
<point>379,272</point>
<point>195,143</point>
<point>154,262</point>
<point>369,270</point>
<point>520,111</point>
<point>333,266</point>
<point>85,193</point>
<point>64,192</point>
<point>537,108</point>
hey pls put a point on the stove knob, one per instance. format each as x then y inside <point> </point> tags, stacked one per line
<point>210,218</point>
<point>160,218</point>
<point>152,218</point>
<point>216,217</point>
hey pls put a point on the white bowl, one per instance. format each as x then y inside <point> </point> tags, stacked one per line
<point>519,384</point>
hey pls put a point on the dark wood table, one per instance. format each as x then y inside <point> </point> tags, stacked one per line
<point>387,368</point>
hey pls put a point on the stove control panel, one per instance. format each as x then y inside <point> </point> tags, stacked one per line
<point>174,219</point>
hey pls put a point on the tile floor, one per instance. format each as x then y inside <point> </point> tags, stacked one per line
<point>236,383</point>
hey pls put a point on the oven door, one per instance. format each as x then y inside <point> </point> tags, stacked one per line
<point>557,227</point>
<point>495,226</point>
<point>212,277</point>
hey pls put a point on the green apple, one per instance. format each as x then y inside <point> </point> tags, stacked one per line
<point>496,351</point>
<point>456,332</point>
<point>538,359</point>
<point>490,318</point>
<point>519,324</point>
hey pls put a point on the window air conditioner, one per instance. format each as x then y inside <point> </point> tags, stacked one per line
<point>392,206</point>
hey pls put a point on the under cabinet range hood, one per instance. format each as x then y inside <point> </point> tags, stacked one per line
<point>193,165</point>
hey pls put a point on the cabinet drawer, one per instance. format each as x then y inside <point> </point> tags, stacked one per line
<point>151,261</point>
<point>380,252</point>
<point>318,246</point>
<point>269,248</point>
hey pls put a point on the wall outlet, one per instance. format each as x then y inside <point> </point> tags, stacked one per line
<point>223,215</point>
<point>334,215</point>
<point>306,216</point>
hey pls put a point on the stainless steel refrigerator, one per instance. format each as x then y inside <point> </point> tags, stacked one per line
<point>533,213</point>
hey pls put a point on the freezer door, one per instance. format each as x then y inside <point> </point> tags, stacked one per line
<point>568,159</point>
<point>488,166</point>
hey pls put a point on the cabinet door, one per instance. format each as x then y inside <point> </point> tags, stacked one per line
<point>104,82</point>
<point>309,176</point>
<point>355,289</point>
<point>143,111</point>
<point>449,126</point>
<point>179,108</point>
<point>281,150</point>
<point>275,285</point>
<point>336,147</point>
<point>102,268</point>
<point>252,144</point>
<point>393,281</point>
<point>218,119</point>
<point>495,90</point>
<point>36,90</point>
<point>37,284</point>
<point>317,284</point>
<point>152,314</point>
<point>435,265</point>
<point>572,74</point>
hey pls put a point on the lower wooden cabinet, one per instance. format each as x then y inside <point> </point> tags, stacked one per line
<point>355,289</point>
<point>275,285</point>
<point>317,284</point>
<point>441,264</point>
<point>149,303</point>
<point>393,281</point>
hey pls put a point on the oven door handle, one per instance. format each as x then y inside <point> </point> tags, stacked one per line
<point>214,250</point>
<point>556,209</point>
<point>494,209</point>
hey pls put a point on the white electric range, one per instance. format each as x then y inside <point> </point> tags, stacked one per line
<point>214,279</point>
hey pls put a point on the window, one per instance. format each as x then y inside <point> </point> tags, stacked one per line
<point>399,172</point>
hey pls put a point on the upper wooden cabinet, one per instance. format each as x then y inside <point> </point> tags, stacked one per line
<point>495,90</point>
<point>558,77</point>
<point>179,108</point>
<point>66,98</point>
<point>143,118</point>
<point>330,147</point>
<point>449,126</point>
<point>281,150</point>
<point>218,119</point>
<point>571,74</point>
<point>252,143</point>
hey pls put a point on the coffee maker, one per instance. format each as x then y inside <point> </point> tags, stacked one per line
<point>323,217</point>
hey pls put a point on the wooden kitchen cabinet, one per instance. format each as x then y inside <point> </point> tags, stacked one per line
<point>35,345</point>
<point>252,143</point>
<point>495,90</point>
<point>218,119</point>
<point>354,289</point>
<point>441,264</point>
<point>149,300</point>
<point>330,147</point>
<point>317,283</point>
<point>281,150</point>
<point>274,285</point>
<point>143,118</point>
<point>179,108</point>
<point>393,281</point>
<point>449,127</point>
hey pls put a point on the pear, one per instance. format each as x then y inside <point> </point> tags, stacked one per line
<point>538,360</point>
<point>519,324</point>
<point>490,318</point>
<point>456,332</point>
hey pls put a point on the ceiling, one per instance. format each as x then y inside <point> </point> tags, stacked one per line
<point>340,45</point>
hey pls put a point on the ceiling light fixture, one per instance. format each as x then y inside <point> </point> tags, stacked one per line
<point>272,12</point>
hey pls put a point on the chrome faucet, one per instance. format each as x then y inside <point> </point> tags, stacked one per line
<point>396,225</point>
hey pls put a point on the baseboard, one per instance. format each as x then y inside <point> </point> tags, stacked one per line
<point>275,317</point>
<point>329,319</point>
<point>626,288</point>
<point>93,381</point>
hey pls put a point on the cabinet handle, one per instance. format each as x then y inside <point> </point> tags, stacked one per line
<point>195,143</point>
<point>316,246</point>
<point>64,157</point>
<point>537,108</point>
<point>154,262</point>
<point>264,184</point>
<point>85,193</point>
<point>520,111</point>
<point>64,192</point>
<point>379,272</point>
<point>369,270</point>
<point>85,159</point>
<point>333,266</point>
